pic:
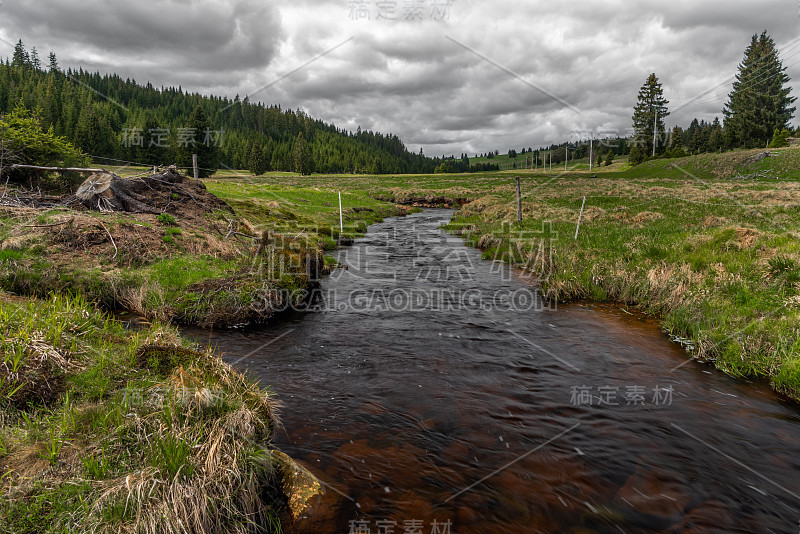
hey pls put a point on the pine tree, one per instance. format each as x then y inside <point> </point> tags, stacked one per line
<point>676,138</point>
<point>53,67</point>
<point>36,64</point>
<point>650,110</point>
<point>257,160</point>
<point>21,57</point>
<point>759,103</point>
<point>302,156</point>
<point>197,139</point>
<point>716,139</point>
<point>151,153</point>
<point>93,133</point>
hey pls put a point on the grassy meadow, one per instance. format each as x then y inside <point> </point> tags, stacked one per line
<point>110,429</point>
<point>708,243</point>
<point>209,268</point>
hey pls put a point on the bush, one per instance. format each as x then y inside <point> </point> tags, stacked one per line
<point>636,156</point>
<point>166,219</point>
<point>444,167</point>
<point>779,138</point>
<point>22,134</point>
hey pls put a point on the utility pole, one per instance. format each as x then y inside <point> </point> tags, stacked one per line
<point>566,157</point>
<point>590,154</point>
<point>655,133</point>
<point>341,220</point>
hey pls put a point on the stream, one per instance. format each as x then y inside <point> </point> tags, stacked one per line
<point>434,392</point>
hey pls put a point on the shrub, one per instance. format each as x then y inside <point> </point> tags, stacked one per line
<point>636,156</point>
<point>22,133</point>
<point>779,138</point>
<point>166,219</point>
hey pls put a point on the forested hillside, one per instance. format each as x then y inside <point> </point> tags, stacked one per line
<point>109,117</point>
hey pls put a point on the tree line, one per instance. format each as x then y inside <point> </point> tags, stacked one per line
<point>114,119</point>
<point>756,114</point>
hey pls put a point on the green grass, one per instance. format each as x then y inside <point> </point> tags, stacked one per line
<point>11,255</point>
<point>708,243</point>
<point>134,452</point>
<point>507,163</point>
<point>217,269</point>
<point>166,219</point>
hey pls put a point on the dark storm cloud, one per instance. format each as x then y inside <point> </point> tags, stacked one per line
<point>444,85</point>
<point>178,36</point>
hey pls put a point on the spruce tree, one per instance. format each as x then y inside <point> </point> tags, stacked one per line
<point>198,139</point>
<point>651,102</point>
<point>150,153</point>
<point>302,156</point>
<point>53,63</point>
<point>676,138</point>
<point>257,160</point>
<point>20,57</point>
<point>36,63</point>
<point>760,102</point>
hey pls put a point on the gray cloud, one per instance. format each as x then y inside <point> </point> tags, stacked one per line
<point>406,77</point>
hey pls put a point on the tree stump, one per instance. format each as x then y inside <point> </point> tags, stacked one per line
<point>105,191</point>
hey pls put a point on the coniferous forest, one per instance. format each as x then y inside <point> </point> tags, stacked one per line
<point>114,119</point>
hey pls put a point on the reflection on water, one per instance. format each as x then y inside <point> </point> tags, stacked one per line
<point>480,410</point>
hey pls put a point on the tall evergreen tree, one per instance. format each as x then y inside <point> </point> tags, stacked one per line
<point>198,138</point>
<point>151,151</point>
<point>53,67</point>
<point>302,156</point>
<point>20,57</point>
<point>93,133</point>
<point>650,110</point>
<point>676,138</point>
<point>257,161</point>
<point>36,63</point>
<point>760,102</point>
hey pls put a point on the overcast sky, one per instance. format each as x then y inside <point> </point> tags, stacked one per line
<point>448,76</point>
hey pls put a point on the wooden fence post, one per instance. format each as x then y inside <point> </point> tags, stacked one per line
<point>194,163</point>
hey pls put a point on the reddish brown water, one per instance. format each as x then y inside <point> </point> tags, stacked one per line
<point>478,419</point>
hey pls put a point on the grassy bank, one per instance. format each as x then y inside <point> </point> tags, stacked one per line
<point>108,430</point>
<point>708,243</point>
<point>201,261</point>
<point>104,429</point>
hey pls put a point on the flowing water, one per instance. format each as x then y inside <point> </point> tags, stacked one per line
<point>433,393</point>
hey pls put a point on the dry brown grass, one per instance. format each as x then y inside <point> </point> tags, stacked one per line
<point>42,374</point>
<point>231,470</point>
<point>747,237</point>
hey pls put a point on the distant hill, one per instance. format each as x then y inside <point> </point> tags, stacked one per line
<point>111,118</point>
